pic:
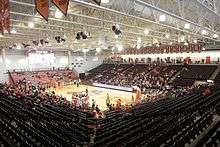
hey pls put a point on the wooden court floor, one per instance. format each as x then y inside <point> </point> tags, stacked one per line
<point>96,93</point>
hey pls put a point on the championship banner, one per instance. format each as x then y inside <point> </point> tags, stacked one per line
<point>172,48</point>
<point>196,47</point>
<point>181,48</point>
<point>4,16</point>
<point>141,50</point>
<point>187,48</point>
<point>152,50</point>
<point>190,46</point>
<point>193,47</point>
<point>168,49</point>
<point>184,48</point>
<point>128,51</point>
<point>200,48</point>
<point>1,17</point>
<point>42,7</point>
<point>133,51</point>
<point>177,48</point>
<point>159,49</point>
<point>147,49</point>
<point>62,5</point>
<point>136,52</point>
<point>162,49</point>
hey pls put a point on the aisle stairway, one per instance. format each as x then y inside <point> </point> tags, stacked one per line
<point>175,76</point>
<point>215,73</point>
<point>11,79</point>
<point>199,139</point>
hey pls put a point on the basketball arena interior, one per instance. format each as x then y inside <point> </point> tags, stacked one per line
<point>109,73</point>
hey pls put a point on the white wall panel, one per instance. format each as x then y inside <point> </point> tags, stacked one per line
<point>83,64</point>
<point>214,55</point>
<point>3,75</point>
<point>21,62</point>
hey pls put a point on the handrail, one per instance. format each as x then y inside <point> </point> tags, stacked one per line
<point>37,69</point>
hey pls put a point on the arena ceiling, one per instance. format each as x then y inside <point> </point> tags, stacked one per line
<point>145,21</point>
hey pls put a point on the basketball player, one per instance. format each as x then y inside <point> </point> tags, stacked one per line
<point>93,104</point>
<point>132,100</point>
<point>108,100</point>
<point>87,91</point>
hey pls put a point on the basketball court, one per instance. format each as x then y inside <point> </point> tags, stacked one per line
<point>96,93</point>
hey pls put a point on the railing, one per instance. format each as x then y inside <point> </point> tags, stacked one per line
<point>11,78</point>
<point>215,73</point>
<point>168,63</point>
<point>39,69</point>
<point>129,89</point>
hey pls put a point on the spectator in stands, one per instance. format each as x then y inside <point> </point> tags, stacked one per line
<point>155,75</point>
<point>207,92</point>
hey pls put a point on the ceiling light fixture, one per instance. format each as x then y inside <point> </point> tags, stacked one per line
<point>104,1</point>
<point>195,41</point>
<point>58,14</point>
<point>13,31</point>
<point>138,46</point>
<point>18,46</point>
<point>186,43</point>
<point>120,47</point>
<point>146,31</point>
<point>139,40</point>
<point>98,49</point>
<point>215,36</point>
<point>30,24</point>
<point>182,38</point>
<point>167,36</point>
<point>187,26</point>
<point>162,18</point>
<point>204,32</point>
<point>84,50</point>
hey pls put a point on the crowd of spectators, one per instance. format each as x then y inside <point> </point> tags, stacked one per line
<point>161,107</point>
<point>48,78</point>
<point>178,60</point>
<point>31,94</point>
<point>161,118</point>
<point>152,75</point>
<point>32,117</point>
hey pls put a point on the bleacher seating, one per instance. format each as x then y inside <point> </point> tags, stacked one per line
<point>212,138</point>
<point>191,73</point>
<point>161,123</point>
<point>152,75</point>
<point>217,79</point>
<point>40,125</point>
<point>189,119</point>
